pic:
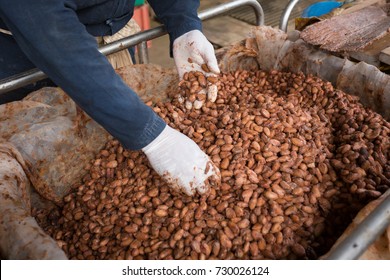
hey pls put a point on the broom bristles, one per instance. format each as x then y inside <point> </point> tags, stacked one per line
<point>122,58</point>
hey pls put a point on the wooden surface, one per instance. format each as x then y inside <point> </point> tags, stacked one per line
<point>347,33</point>
<point>384,56</point>
<point>371,53</point>
<point>358,5</point>
<point>217,32</point>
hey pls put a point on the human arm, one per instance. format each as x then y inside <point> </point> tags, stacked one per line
<point>52,37</point>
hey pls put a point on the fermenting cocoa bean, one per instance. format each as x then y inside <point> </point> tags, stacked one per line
<point>291,150</point>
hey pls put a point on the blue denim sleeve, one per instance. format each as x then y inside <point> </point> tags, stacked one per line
<point>178,16</point>
<point>52,37</point>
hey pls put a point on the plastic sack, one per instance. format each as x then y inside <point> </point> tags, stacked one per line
<point>54,137</point>
<point>20,235</point>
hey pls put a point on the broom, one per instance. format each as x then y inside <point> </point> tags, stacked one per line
<point>121,58</point>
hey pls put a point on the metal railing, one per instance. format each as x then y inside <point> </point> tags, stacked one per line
<point>286,15</point>
<point>287,12</point>
<point>34,75</point>
<point>357,242</point>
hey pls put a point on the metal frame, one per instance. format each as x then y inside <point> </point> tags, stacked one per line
<point>286,15</point>
<point>35,75</point>
<point>287,12</point>
<point>357,242</point>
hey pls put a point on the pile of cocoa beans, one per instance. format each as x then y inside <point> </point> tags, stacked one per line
<point>298,160</point>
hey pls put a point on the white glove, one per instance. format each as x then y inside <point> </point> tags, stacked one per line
<point>181,162</point>
<point>194,46</point>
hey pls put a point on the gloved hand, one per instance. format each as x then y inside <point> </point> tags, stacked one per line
<point>190,51</point>
<point>193,46</point>
<point>181,162</point>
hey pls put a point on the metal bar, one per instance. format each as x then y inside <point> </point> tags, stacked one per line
<point>227,7</point>
<point>133,40</point>
<point>5,31</point>
<point>35,75</point>
<point>20,80</point>
<point>286,15</point>
<point>143,56</point>
<point>357,242</point>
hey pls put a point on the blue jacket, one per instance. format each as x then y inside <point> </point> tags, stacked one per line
<point>55,35</point>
